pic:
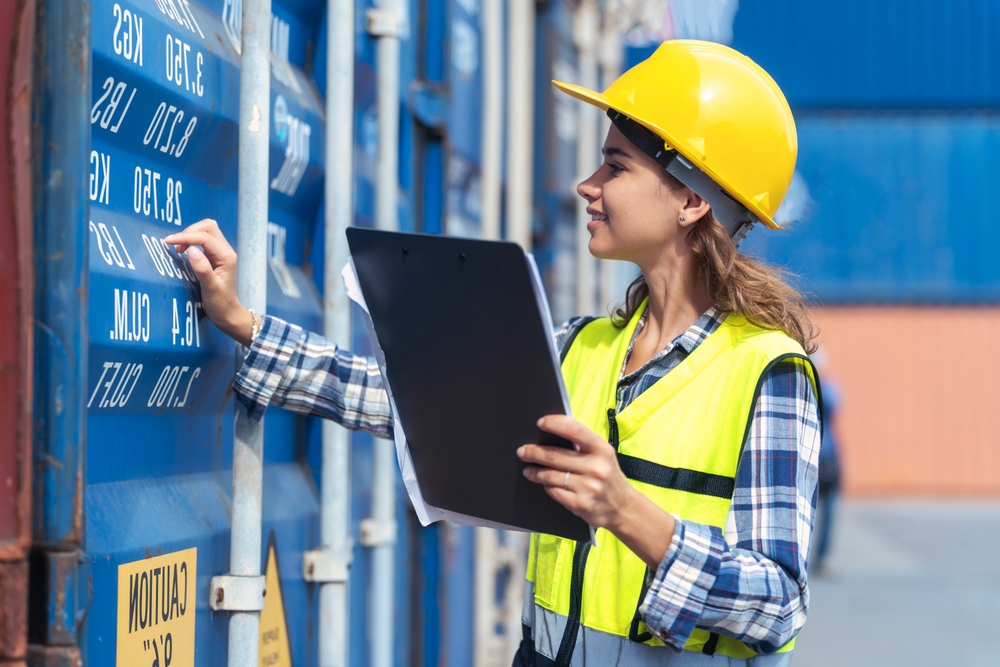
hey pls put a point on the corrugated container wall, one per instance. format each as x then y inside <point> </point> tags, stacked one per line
<point>133,408</point>
<point>163,154</point>
<point>896,105</point>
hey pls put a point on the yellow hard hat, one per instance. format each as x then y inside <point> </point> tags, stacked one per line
<point>721,112</point>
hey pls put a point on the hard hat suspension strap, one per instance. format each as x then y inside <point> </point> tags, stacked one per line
<point>733,215</point>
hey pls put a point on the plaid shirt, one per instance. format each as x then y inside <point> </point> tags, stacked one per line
<point>747,581</point>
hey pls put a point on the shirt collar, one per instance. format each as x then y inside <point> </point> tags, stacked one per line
<point>704,327</point>
<point>688,341</point>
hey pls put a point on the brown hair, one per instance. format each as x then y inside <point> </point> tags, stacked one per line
<point>736,283</point>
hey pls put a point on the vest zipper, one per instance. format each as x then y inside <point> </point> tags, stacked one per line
<point>580,553</point>
<point>613,428</point>
<point>568,642</point>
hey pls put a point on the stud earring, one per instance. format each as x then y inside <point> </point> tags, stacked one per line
<point>682,219</point>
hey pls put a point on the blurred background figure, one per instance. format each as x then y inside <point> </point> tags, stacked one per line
<point>829,468</point>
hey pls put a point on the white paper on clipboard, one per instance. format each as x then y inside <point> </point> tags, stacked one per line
<point>426,513</point>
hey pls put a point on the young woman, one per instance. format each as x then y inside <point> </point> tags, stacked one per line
<point>696,415</point>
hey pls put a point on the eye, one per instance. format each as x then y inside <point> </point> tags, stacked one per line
<point>615,169</point>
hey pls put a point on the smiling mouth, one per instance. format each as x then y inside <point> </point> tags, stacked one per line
<point>598,217</point>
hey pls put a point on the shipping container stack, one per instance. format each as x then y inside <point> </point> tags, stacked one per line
<point>896,107</point>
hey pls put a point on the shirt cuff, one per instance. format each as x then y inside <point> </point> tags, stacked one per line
<point>265,365</point>
<point>686,575</point>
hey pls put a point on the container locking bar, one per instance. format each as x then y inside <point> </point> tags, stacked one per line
<point>378,532</point>
<point>383,22</point>
<point>326,566</point>
<point>236,593</point>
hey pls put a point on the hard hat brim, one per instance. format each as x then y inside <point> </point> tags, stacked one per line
<point>601,101</point>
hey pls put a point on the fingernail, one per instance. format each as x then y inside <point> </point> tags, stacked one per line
<point>520,451</point>
<point>525,471</point>
<point>540,421</point>
<point>168,237</point>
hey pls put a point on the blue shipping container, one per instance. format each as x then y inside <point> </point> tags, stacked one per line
<point>889,54</point>
<point>164,129</point>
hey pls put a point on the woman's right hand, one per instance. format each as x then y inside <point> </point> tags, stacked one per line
<point>214,263</point>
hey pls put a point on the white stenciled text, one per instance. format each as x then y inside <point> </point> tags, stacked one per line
<point>180,11</point>
<point>147,199</point>
<point>131,316</point>
<point>179,66</point>
<point>107,105</point>
<point>100,177</point>
<point>166,261</point>
<point>296,157</point>
<point>173,388</point>
<point>172,117</point>
<point>185,325</point>
<point>127,38</point>
<point>113,254</point>
<point>119,385</point>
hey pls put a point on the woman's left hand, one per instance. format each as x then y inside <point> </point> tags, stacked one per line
<point>588,482</point>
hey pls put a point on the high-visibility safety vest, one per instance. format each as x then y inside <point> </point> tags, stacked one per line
<point>679,443</point>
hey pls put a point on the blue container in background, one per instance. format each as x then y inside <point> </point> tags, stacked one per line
<point>887,54</point>
<point>896,105</point>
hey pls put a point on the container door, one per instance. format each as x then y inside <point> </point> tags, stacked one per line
<point>159,403</point>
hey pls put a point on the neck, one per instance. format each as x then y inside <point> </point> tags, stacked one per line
<point>677,298</point>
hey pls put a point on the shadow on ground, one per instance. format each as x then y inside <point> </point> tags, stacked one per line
<point>908,583</point>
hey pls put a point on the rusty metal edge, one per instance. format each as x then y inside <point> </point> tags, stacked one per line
<point>13,610</point>
<point>13,557</point>
<point>18,133</point>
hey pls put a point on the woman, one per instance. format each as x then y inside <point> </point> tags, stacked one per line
<point>697,421</point>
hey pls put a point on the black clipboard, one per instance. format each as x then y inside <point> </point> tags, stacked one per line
<point>471,368</point>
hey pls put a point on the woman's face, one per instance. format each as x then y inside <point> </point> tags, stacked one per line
<point>633,207</point>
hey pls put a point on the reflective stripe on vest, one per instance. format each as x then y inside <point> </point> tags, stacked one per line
<point>679,443</point>
<point>596,648</point>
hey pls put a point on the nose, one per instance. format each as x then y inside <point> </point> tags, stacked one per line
<point>590,189</point>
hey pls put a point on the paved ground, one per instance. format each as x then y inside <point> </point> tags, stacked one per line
<point>909,583</point>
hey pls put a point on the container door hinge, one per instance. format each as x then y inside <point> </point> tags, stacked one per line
<point>326,566</point>
<point>53,656</point>
<point>235,593</point>
<point>60,597</point>
<point>383,23</point>
<point>378,532</point>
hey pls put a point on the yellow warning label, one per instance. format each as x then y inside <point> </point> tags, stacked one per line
<point>156,610</point>
<point>273,646</point>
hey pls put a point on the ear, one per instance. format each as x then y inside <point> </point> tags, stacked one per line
<point>694,209</point>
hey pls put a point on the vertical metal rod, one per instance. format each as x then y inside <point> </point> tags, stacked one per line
<point>491,22</point>
<point>251,287</point>
<point>585,24</point>
<point>520,107</point>
<point>335,495</point>
<point>382,525</point>
<point>487,544</point>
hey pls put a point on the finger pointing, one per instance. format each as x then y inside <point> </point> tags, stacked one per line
<point>202,267</point>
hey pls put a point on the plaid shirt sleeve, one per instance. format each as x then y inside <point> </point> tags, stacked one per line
<point>749,582</point>
<point>308,374</point>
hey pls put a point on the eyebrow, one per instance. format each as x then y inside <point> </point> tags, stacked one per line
<point>613,151</point>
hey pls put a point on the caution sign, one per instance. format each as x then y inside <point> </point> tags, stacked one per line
<point>156,610</point>
<point>273,649</point>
